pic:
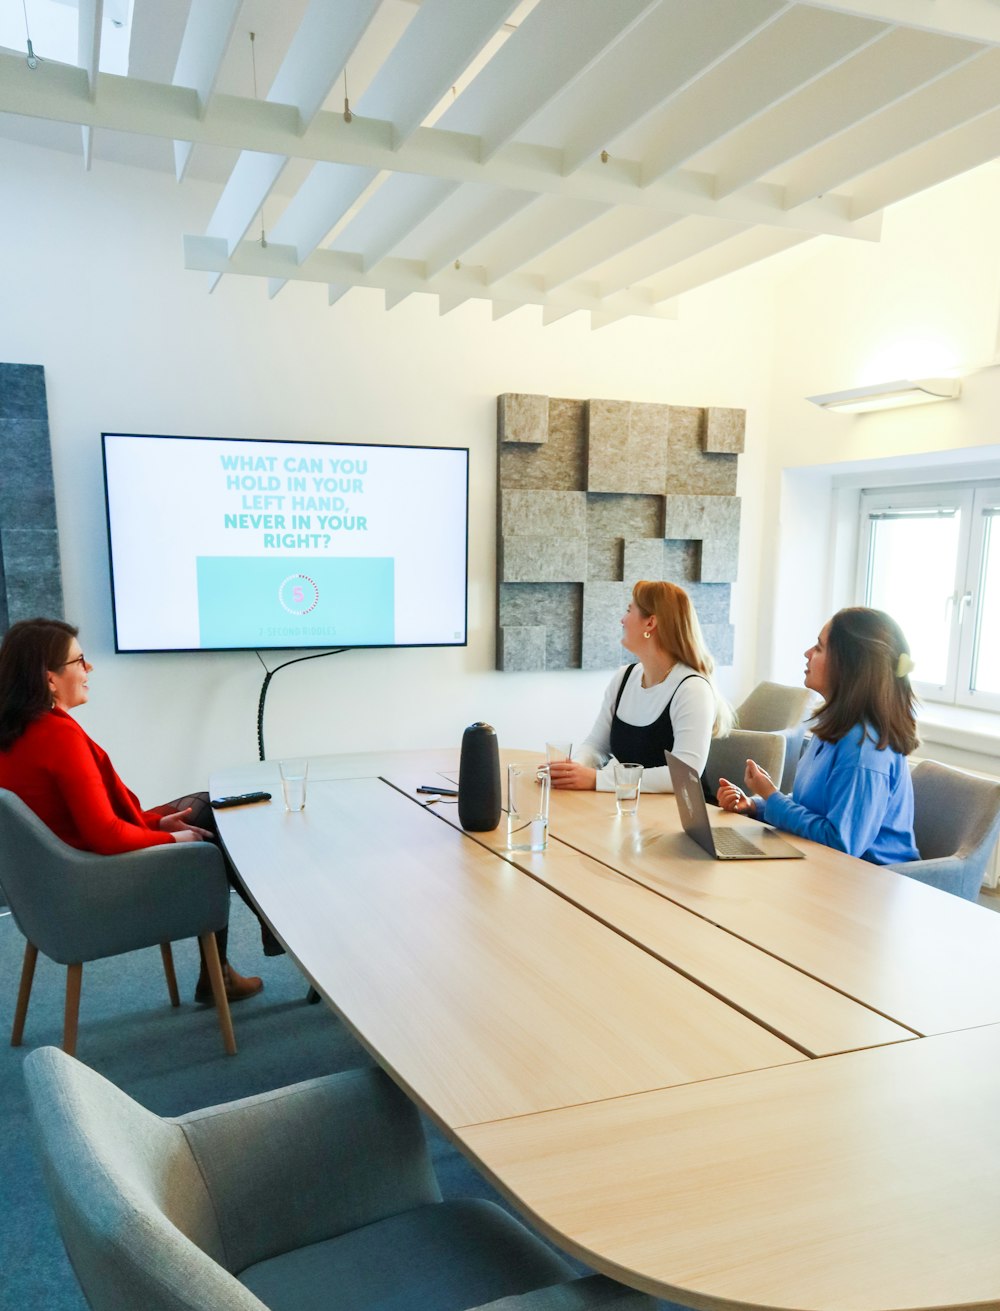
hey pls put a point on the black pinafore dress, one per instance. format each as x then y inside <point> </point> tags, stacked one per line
<point>645,744</point>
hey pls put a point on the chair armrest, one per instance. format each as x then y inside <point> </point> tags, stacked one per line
<point>112,904</point>
<point>592,1293</point>
<point>949,873</point>
<point>308,1162</point>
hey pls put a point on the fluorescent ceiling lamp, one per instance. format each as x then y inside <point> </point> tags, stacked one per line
<point>889,395</point>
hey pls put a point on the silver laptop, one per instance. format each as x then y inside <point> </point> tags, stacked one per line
<point>722,842</point>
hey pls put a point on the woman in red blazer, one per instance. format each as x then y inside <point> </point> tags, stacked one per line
<point>68,780</point>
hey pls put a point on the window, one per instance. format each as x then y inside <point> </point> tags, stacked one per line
<point>930,556</point>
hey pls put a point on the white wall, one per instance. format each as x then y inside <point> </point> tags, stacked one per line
<point>925,300</point>
<point>131,342</point>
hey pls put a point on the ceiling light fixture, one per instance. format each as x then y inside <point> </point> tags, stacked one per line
<point>890,395</point>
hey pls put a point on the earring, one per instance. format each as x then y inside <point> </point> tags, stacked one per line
<point>646,636</point>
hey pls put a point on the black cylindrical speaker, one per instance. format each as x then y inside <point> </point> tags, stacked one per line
<point>479,779</point>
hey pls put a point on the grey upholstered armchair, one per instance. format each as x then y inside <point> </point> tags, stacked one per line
<point>317,1197</point>
<point>74,907</point>
<point>956,822</point>
<point>727,757</point>
<point>778,708</point>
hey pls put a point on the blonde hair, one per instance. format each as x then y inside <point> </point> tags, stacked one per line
<point>678,635</point>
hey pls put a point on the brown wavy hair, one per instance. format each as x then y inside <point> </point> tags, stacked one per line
<point>29,650</point>
<point>863,651</point>
<point>678,635</point>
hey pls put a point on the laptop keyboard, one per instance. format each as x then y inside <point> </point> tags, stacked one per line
<point>730,843</point>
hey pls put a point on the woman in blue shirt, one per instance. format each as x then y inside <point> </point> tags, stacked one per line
<point>852,786</point>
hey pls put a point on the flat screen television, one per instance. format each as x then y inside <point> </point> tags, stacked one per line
<point>221,544</point>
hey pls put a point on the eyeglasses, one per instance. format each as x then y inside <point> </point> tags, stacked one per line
<point>80,660</point>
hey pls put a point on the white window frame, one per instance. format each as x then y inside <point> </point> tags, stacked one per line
<point>972,502</point>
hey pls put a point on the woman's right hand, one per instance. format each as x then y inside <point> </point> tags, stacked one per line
<point>187,835</point>
<point>730,797</point>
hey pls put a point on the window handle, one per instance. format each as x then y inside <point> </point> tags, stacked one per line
<point>949,603</point>
<point>963,604</point>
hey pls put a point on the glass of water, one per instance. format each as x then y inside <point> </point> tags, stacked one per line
<point>293,782</point>
<point>527,807</point>
<point>628,780</point>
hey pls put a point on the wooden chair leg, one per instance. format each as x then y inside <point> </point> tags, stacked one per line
<point>23,993</point>
<point>211,951</point>
<point>74,981</point>
<point>168,969</point>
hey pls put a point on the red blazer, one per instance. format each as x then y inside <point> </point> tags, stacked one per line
<point>71,785</point>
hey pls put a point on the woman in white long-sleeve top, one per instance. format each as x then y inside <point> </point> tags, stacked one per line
<point>666,701</point>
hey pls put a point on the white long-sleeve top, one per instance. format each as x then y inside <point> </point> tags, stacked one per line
<point>692,716</point>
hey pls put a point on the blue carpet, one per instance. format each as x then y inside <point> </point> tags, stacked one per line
<point>170,1061</point>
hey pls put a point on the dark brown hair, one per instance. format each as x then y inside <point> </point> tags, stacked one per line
<point>30,649</point>
<point>678,635</point>
<point>863,659</point>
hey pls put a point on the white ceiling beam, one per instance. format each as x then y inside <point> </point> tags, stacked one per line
<point>88,56</point>
<point>859,87</point>
<point>947,103</point>
<point>648,258</point>
<point>397,277</point>
<point>439,43</point>
<point>451,301</point>
<point>474,228</point>
<point>553,313</point>
<point>535,230</point>
<point>728,257</point>
<point>935,161</point>
<point>403,201</point>
<point>322,44</point>
<point>604,239</point>
<point>130,105</point>
<point>976,20</point>
<point>556,44</point>
<point>249,185</point>
<point>207,33</point>
<point>670,47</point>
<point>88,45</point>
<point>501,308</point>
<point>796,48</point>
<point>323,199</point>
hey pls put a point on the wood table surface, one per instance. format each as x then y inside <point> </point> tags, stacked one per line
<point>706,1079</point>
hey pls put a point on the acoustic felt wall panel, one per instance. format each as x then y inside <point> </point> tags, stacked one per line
<point>606,493</point>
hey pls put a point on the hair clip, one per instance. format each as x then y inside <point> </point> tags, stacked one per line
<point>904,665</point>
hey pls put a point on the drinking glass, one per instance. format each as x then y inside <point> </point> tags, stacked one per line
<point>628,780</point>
<point>558,751</point>
<point>527,807</point>
<point>293,782</point>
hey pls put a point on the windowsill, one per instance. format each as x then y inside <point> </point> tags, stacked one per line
<point>959,727</point>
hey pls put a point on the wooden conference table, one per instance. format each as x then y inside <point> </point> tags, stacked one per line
<point>737,1084</point>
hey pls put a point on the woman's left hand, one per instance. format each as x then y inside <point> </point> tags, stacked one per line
<point>758,781</point>
<point>177,823</point>
<point>568,774</point>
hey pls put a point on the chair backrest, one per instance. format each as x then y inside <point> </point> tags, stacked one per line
<point>773,706</point>
<point>954,813</point>
<point>727,757</point>
<point>75,906</point>
<point>133,1210</point>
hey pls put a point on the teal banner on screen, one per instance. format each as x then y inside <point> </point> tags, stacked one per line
<point>255,601</point>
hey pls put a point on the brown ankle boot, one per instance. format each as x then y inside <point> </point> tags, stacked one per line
<point>238,986</point>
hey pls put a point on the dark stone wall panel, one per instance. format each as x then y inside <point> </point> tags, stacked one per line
<point>30,578</point>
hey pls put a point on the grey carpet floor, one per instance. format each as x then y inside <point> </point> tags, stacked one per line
<point>170,1061</point>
